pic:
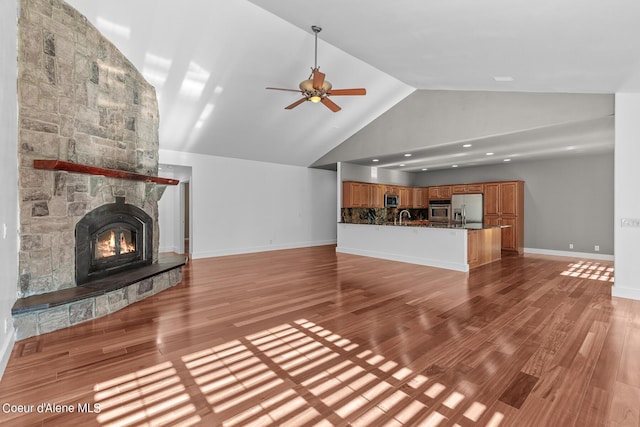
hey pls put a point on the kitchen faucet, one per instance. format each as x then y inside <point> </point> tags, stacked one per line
<point>400,215</point>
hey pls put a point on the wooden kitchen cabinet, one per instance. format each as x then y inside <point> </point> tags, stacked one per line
<point>420,198</point>
<point>483,246</point>
<point>362,195</point>
<point>467,189</point>
<point>406,197</point>
<point>441,192</point>
<point>354,194</point>
<point>504,206</point>
<point>376,196</point>
<point>491,199</point>
<point>510,234</point>
<point>509,197</point>
<point>391,189</point>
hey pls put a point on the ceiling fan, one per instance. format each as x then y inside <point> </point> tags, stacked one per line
<point>316,88</point>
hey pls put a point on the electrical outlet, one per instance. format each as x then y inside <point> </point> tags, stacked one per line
<point>570,245</point>
<point>630,222</point>
<point>4,231</point>
<point>596,248</point>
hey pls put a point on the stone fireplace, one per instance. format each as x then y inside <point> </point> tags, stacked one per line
<point>82,103</point>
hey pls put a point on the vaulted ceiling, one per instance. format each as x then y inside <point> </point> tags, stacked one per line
<point>210,61</point>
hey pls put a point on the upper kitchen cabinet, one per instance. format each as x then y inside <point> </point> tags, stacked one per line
<point>362,195</point>
<point>441,192</point>
<point>376,196</point>
<point>504,206</point>
<point>406,197</point>
<point>420,198</point>
<point>391,189</point>
<point>467,189</point>
<point>504,198</point>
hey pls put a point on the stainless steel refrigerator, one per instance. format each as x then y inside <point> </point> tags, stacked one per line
<point>467,208</point>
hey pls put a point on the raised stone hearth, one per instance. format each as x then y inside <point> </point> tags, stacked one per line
<point>48,312</point>
<point>80,101</point>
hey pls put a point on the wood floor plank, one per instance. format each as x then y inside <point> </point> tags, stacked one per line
<point>518,391</point>
<point>624,406</point>
<point>308,336</point>
<point>629,371</point>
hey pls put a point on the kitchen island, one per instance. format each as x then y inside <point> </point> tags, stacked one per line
<point>453,247</point>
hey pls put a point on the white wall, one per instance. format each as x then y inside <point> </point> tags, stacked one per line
<point>242,206</point>
<point>8,175</point>
<point>167,219</point>
<point>627,198</point>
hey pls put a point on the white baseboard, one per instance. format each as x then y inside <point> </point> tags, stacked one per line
<point>173,249</point>
<point>588,255</point>
<point>407,259</point>
<point>267,248</point>
<point>7,347</point>
<point>629,293</point>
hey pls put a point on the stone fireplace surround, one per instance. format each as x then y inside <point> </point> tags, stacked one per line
<point>80,101</point>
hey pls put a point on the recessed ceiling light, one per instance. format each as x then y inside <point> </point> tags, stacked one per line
<point>402,164</point>
<point>503,78</point>
<point>454,166</point>
<point>375,160</point>
<point>408,155</point>
<point>424,169</point>
<point>489,154</point>
<point>506,160</point>
<point>467,145</point>
<point>573,147</point>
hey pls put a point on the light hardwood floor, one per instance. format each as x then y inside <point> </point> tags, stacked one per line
<point>308,337</point>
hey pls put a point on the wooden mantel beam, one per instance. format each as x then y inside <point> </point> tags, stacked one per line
<point>61,165</point>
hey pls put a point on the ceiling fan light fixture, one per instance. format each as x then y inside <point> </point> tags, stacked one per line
<point>307,86</point>
<point>316,89</point>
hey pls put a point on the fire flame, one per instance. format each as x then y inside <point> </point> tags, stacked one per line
<point>107,247</point>
<point>126,247</point>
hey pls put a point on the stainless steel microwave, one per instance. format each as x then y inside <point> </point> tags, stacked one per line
<point>391,200</point>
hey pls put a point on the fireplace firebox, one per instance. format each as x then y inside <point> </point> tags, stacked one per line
<point>112,238</point>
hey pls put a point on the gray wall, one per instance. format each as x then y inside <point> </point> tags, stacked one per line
<point>351,172</point>
<point>567,200</point>
<point>431,118</point>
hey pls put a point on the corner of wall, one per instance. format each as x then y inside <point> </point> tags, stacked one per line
<point>8,175</point>
<point>7,346</point>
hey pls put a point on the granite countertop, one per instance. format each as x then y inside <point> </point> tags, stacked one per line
<point>427,224</point>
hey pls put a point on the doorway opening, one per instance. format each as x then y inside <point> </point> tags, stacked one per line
<point>186,215</point>
<point>175,212</point>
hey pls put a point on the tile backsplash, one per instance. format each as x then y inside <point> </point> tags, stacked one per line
<point>378,215</point>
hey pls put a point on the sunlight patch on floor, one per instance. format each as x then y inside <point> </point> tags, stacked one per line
<point>589,270</point>
<point>292,374</point>
<point>155,393</point>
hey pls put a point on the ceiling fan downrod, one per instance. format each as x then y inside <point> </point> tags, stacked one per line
<point>316,30</point>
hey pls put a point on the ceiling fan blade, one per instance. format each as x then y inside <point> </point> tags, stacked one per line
<point>318,79</point>
<point>331,105</point>
<point>288,90</point>
<point>295,104</point>
<point>340,92</point>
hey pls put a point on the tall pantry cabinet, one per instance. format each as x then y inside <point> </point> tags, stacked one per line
<point>504,206</point>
